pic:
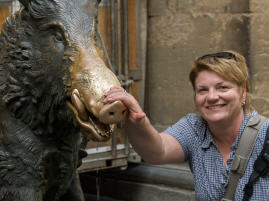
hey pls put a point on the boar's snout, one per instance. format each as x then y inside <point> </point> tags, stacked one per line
<point>112,113</point>
<point>91,79</point>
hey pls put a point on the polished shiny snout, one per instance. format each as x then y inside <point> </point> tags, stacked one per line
<point>113,113</point>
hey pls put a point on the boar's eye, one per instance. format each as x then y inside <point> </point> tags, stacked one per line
<point>55,30</point>
<point>58,36</point>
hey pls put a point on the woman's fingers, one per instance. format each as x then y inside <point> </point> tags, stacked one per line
<point>114,90</point>
<point>118,93</point>
<point>137,115</point>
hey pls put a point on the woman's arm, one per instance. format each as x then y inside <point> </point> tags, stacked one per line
<point>152,146</point>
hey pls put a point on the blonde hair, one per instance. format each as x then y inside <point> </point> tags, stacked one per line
<point>229,65</point>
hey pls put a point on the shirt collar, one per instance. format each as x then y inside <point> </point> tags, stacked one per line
<point>208,138</point>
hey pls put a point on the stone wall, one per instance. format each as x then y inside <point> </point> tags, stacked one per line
<point>181,30</point>
<point>259,54</point>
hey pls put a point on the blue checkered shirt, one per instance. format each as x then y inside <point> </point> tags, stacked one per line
<point>209,172</point>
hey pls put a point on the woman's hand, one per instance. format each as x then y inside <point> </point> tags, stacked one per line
<point>118,93</point>
<point>154,147</point>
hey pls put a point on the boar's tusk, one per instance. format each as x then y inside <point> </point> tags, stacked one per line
<point>79,105</point>
<point>86,128</point>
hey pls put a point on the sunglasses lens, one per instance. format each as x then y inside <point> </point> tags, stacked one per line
<point>222,55</point>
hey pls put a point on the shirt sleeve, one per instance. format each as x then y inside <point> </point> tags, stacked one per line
<point>186,132</point>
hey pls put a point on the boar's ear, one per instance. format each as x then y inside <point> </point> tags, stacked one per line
<point>25,2</point>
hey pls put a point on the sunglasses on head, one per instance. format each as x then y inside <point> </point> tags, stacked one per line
<point>221,55</point>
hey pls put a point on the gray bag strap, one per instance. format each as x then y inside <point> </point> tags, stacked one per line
<point>242,154</point>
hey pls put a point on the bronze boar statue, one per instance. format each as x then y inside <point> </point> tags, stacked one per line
<point>52,83</point>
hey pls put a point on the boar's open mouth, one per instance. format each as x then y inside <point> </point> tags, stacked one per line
<point>91,127</point>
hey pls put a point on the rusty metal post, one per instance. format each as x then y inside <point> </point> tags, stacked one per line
<point>126,59</point>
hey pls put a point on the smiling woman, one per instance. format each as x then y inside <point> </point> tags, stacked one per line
<point>207,141</point>
<point>220,87</point>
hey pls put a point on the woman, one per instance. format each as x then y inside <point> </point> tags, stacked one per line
<point>209,140</point>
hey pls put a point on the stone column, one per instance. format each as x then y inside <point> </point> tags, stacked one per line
<point>259,54</point>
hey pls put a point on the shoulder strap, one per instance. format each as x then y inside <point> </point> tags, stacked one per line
<point>260,168</point>
<point>242,154</point>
